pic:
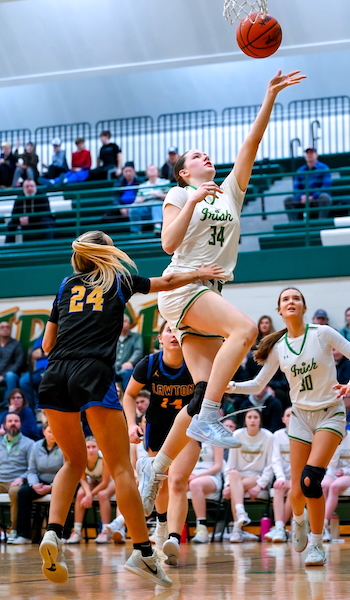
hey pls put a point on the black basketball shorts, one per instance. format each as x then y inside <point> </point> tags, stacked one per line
<point>75,385</point>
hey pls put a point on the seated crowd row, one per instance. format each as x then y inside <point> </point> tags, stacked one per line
<point>29,462</point>
<point>133,194</point>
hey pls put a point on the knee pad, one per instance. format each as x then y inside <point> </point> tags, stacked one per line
<point>194,406</point>
<point>315,475</point>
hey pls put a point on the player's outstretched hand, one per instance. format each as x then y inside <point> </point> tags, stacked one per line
<point>343,390</point>
<point>280,81</point>
<point>214,271</point>
<point>231,386</point>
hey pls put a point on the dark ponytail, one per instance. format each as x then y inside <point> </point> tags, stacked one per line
<point>179,165</point>
<point>265,346</point>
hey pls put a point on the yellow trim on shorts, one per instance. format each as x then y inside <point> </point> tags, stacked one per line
<point>189,304</point>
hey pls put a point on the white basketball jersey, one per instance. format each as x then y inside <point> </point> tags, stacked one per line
<point>341,458</point>
<point>310,370</point>
<point>281,454</point>
<point>213,232</point>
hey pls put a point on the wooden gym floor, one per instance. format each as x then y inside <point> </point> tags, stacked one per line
<point>216,572</point>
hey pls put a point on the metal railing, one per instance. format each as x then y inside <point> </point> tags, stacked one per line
<point>320,122</point>
<point>265,227</point>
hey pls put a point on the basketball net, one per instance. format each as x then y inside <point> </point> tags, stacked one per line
<point>239,10</point>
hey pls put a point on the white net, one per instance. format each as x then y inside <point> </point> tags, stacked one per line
<point>238,10</point>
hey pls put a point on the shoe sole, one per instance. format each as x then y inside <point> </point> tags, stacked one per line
<point>172,552</point>
<point>202,438</point>
<point>148,576</point>
<point>320,563</point>
<point>54,571</point>
<point>279,541</point>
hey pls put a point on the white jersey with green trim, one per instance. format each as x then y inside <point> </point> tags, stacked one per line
<point>213,233</point>
<point>307,362</point>
<point>341,458</point>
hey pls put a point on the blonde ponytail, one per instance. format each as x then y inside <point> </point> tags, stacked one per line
<point>265,346</point>
<point>99,260</point>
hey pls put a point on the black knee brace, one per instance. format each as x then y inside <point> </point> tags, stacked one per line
<point>315,475</point>
<point>194,406</point>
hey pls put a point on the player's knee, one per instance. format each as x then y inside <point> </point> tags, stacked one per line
<point>195,404</point>
<point>251,332</point>
<point>311,481</point>
<point>177,484</point>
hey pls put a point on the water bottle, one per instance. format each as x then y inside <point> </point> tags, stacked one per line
<point>334,524</point>
<point>265,526</point>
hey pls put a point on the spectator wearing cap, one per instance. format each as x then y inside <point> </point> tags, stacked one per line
<point>7,165</point>
<point>81,163</point>
<point>167,170</point>
<point>309,184</point>
<point>124,194</point>
<point>320,317</point>
<point>59,162</point>
<point>110,159</point>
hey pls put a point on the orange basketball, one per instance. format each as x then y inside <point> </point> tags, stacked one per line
<point>259,39</point>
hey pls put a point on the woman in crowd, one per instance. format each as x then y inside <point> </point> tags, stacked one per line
<point>336,481</point>
<point>80,338</point>
<point>205,482</point>
<point>17,402</point>
<point>282,509</point>
<point>45,460</point>
<point>248,470</point>
<point>317,424</point>
<point>26,165</point>
<point>96,481</point>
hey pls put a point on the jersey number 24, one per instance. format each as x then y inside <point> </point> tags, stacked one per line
<point>78,300</point>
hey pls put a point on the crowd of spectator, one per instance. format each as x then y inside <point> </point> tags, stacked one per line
<point>30,458</point>
<point>134,198</point>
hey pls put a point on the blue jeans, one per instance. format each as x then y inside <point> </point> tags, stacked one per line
<point>12,381</point>
<point>30,388</point>
<point>72,176</point>
<point>124,375</point>
<point>145,213</point>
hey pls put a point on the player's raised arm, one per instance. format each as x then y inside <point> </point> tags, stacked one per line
<point>246,156</point>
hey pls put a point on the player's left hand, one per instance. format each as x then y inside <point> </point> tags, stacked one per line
<point>279,82</point>
<point>214,271</point>
<point>343,389</point>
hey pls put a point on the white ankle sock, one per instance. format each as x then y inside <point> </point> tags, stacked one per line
<point>326,523</point>
<point>280,524</point>
<point>299,518</point>
<point>161,462</point>
<point>316,538</point>
<point>207,407</point>
<point>78,527</point>
<point>120,520</point>
<point>239,508</point>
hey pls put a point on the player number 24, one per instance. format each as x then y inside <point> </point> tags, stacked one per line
<point>177,404</point>
<point>216,236</point>
<point>78,300</point>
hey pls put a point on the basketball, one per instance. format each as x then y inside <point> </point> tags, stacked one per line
<point>259,39</point>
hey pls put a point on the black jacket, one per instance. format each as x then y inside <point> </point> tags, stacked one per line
<point>11,357</point>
